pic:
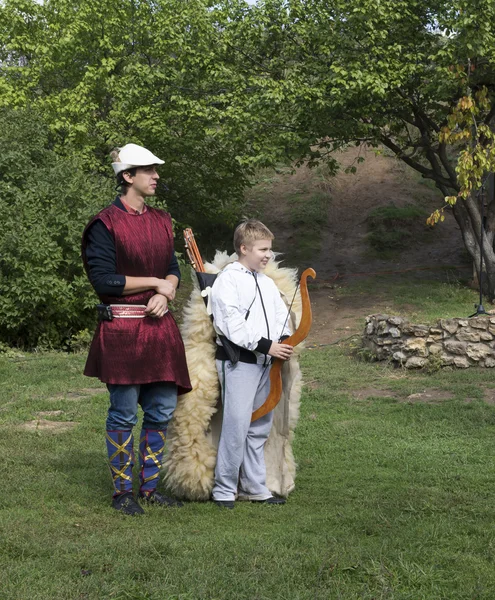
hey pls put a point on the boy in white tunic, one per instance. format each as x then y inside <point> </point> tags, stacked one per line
<point>249,311</point>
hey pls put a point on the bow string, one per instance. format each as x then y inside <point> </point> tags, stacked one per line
<point>299,335</point>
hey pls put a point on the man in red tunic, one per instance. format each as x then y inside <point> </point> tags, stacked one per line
<point>137,349</point>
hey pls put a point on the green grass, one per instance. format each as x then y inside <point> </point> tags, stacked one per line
<point>394,214</point>
<point>393,228</point>
<point>394,499</point>
<point>420,300</point>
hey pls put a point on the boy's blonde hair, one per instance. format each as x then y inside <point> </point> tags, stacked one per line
<point>250,231</point>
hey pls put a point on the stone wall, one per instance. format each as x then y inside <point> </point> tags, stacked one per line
<point>457,342</point>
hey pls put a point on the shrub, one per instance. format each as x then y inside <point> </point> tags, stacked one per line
<point>81,341</point>
<point>45,202</point>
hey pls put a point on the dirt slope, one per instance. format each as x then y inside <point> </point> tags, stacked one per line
<point>342,252</point>
<point>381,180</point>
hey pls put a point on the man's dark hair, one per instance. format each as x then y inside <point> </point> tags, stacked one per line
<point>122,185</point>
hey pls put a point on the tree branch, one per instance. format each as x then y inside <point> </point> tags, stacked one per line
<point>442,153</point>
<point>417,166</point>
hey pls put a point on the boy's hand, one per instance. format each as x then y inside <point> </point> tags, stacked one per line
<point>157,306</point>
<point>165,288</point>
<point>282,351</point>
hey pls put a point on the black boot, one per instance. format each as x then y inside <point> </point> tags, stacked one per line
<point>159,499</point>
<point>127,505</point>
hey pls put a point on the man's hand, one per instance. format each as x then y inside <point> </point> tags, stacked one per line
<point>282,351</point>
<point>157,306</point>
<point>165,288</point>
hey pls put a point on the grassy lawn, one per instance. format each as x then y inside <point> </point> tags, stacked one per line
<point>394,499</point>
<point>420,300</point>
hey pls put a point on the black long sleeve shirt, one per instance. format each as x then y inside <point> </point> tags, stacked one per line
<point>102,260</point>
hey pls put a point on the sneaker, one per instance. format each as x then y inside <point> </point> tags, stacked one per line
<point>273,500</point>
<point>159,499</point>
<point>127,505</point>
<point>225,504</point>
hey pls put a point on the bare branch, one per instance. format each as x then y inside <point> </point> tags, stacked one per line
<point>427,173</point>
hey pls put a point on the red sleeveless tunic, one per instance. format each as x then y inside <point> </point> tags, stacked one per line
<point>138,351</point>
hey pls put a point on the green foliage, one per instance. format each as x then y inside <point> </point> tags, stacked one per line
<point>45,202</point>
<point>322,74</point>
<point>309,211</point>
<point>394,215</point>
<point>308,214</point>
<point>108,73</point>
<point>434,364</point>
<point>294,203</point>
<point>80,341</point>
<point>362,353</point>
<point>7,352</point>
<point>394,228</point>
<point>216,89</point>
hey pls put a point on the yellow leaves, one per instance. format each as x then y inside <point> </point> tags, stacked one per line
<point>438,216</point>
<point>476,154</point>
<point>482,98</point>
<point>444,135</point>
<point>435,217</point>
<point>465,103</point>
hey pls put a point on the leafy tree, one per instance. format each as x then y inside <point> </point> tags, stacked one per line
<point>45,201</point>
<point>320,74</point>
<point>218,88</point>
<point>77,79</point>
<point>105,73</point>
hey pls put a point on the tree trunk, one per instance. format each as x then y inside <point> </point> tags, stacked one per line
<point>468,216</point>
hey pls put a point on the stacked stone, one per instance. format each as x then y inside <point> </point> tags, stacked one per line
<point>457,342</point>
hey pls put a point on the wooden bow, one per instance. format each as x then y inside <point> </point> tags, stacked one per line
<point>296,338</point>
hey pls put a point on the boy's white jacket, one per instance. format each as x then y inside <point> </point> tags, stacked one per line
<point>194,431</point>
<point>238,290</point>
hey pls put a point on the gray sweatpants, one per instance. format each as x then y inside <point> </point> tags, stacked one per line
<point>240,465</point>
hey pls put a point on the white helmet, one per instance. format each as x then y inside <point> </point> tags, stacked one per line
<point>132,155</point>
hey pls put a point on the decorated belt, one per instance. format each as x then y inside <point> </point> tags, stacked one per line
<point>128,311</point>
<point>107,312</point>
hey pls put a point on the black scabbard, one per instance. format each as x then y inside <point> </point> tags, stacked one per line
<point>104,312</point>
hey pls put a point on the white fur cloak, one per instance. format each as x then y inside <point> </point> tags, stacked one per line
<point>194,431</point>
